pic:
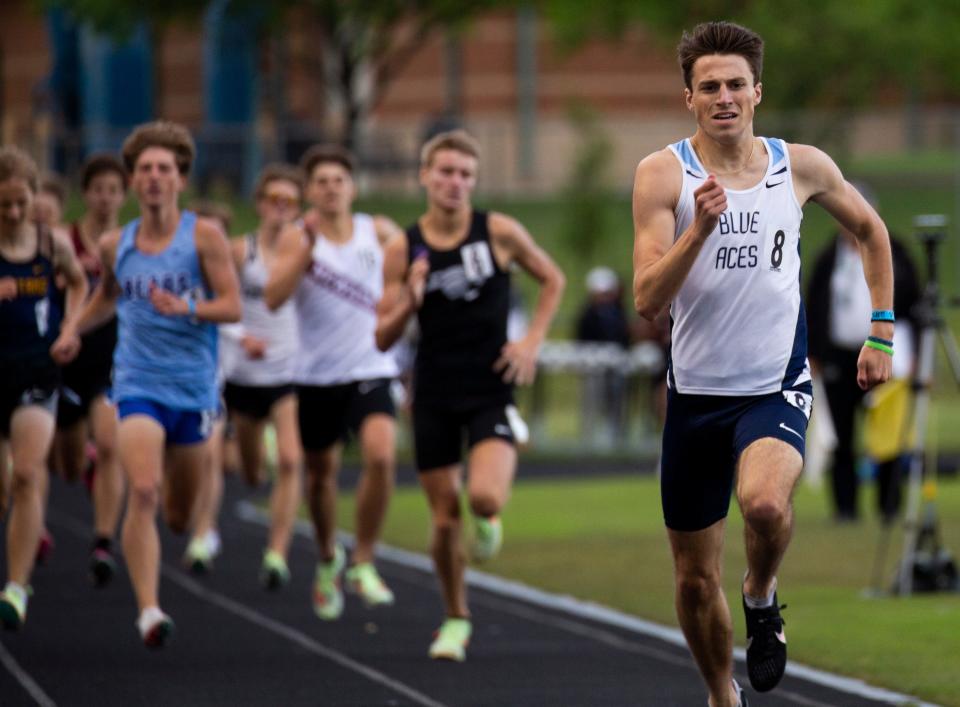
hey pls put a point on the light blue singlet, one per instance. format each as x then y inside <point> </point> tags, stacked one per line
<point>170,360</point>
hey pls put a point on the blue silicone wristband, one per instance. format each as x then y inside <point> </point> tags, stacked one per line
<point>882,315</point>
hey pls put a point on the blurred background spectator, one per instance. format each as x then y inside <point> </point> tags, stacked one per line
<point>603,320</point>
<point>838,318</point>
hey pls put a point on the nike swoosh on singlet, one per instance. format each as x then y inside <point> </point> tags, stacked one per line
<point>775,184</point>
<point>789,429</point>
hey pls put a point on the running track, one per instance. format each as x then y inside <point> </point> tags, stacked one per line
<point>239,645</point>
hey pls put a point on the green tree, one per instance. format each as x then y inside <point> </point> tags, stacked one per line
<point>586,194</point>
<point>820,53</point>
<point>365,43</point>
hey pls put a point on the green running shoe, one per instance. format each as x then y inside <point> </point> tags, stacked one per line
<point>364,580</point>
<point>327,592</point>
<point>487,538</point>
<point>200,552</point>
<point>451,639</point>
<point>274,572</point>
<point>13,608</point>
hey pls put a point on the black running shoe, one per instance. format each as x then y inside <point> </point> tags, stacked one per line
<point>766,645</point>
<point>102,566</point>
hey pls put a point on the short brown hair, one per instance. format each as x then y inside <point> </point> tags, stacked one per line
<point>17,164</point>
<point>160,133</point>
<point>719,38</point>
<point>319,154</point>
<point>276,172</point>
<point>52,183</point>
<point>101,163</point>
<point>459,140</point>
<point>215,210</point>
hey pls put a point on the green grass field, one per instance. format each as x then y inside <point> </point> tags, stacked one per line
<point>602,539</point>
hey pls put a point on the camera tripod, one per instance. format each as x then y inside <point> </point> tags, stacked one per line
<point>925,565</point>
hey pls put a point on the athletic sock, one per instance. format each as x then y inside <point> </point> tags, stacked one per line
<point>763,602</point>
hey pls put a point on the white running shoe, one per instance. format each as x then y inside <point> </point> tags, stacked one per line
<point>156,628</point>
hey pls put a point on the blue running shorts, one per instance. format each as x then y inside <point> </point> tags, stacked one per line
<point>181,426</point>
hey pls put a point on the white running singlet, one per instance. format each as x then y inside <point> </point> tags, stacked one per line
<point>278,328</point>
<point>738,322</point>
<point>337,310</point>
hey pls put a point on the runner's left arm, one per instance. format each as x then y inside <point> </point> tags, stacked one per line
<point>822,182</point>
<point>512,243</point>
<point>216,265</point>
<point>65,262</point>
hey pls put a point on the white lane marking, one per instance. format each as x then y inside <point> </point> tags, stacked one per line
<point>294,636</point>
<point>265,622</point>
<point>601,614</point>
<point>23,677</point>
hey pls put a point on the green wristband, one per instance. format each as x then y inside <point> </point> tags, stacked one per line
<point>879,347</point>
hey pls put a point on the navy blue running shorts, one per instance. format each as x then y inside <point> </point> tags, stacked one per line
<point>703,438</point>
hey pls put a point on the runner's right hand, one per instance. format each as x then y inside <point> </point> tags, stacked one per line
<point>711,201</point>
<point>417,280</point>
<point>254,347</point>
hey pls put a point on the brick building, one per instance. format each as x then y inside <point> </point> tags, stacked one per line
<point>65,91</point>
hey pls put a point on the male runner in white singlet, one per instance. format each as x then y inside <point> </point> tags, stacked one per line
<point>259,355</point>
<point>717,235</point>
<point>332,263</point>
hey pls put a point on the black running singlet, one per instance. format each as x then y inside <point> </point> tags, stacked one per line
<point>463,321</point>
<point>30,322</point>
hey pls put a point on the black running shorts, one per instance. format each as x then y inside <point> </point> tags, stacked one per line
<point>254,401</point>
<point>330,414</point>
<point>438,431</point>
<point>40,389</point>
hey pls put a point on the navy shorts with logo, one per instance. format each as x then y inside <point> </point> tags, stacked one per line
<point>703,438</point>
<point>331,413</point>
<point>438,431</point>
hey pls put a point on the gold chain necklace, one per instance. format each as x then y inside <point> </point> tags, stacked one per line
<point>753,144</point>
